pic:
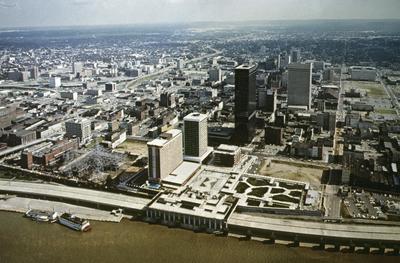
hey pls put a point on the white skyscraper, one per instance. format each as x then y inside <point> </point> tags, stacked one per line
<point>77,67</point>
<point>299,85</point>
<point>55,82</point>
<point>285,60</point>
<point>165,155</point>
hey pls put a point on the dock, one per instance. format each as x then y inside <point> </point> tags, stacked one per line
<point>22,205</point>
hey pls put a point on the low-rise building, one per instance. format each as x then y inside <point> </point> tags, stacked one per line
<point>69,95</point>
<point>227,155</point>
<point>363,73</point>
<point>21,137</point>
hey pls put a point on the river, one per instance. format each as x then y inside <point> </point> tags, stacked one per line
<point>22,240</point>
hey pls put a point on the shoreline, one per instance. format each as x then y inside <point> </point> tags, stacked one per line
<point>22,205</point>
<point>311,248</point>
<point>261,228</point>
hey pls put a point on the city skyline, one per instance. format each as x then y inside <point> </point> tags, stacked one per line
<point>21,13</point>
<point>279,132</point>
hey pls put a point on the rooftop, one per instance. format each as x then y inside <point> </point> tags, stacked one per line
<point>182,173</point>
<point>205,195</point>
<point>227,148</point>
<point>164,138</point>
<point>78,121</point>
<point>300,66</point>
<point>245,66</point>
<point>195,117</point>
<point>157,142</point>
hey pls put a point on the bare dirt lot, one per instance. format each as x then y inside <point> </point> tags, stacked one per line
<point>133,147</point>
<point>374,89</point>
<point>292,172</point>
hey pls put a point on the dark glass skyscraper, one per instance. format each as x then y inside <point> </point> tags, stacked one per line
<point>245,102</point>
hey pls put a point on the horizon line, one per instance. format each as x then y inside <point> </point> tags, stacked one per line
<point>197,22</point>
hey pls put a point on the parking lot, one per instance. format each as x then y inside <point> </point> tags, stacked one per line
<point>375,206</point>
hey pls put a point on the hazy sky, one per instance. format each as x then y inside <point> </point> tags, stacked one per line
<point>95,12</point>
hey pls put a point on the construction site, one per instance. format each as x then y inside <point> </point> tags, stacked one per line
<point>95,166</point>
<point>62,159</point>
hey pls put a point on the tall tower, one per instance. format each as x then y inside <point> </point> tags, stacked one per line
<point>215,74</point>
<point>195,138</point>
<point>34,72</point>
<point>77,68</point>
<point>299,85</point>
<point>245,102</point>
<point>296,57</point>
<point>165,155</point>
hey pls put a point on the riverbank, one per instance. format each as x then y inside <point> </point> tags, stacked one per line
<point>22,240</point>
<point>22,205</point>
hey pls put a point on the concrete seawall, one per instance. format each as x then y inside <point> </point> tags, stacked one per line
<point>22,205</point>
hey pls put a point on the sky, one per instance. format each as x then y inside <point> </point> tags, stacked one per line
<point>19,13</point>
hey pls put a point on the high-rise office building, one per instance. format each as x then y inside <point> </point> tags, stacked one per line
<point>271,99</point>
<point>299,85</point>
<point>278,62</point>
<point>261,98</point>
<point>55,82</point>
<point>79,129</point>
<point>180,64</point>
<point>267,100</point>
<point>195,134</point>
<point>245,102</point>
<point>273,135</point>
<point>77,68</point>
<point>165,155</point>
<point>34,72</point>
<point>18,75</point>
<point>285,60</point>
<point>167,99</point>
<point>295,54</point>
<point>215,74</point>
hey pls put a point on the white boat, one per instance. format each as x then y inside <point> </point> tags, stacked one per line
<point>74,222</point>
<point>41,215</point>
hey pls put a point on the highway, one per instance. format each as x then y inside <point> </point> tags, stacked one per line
<point>27,86</point>
<point>340,117</point>
<point>392,96</point>
<point>332,202</point>
<point>140,79</point>
<point>74,193</point>
<point>390,234</point>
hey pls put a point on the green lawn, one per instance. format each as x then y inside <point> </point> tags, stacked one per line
<point>386,111</point>
<point>257,182</point>
<point>285,198</point>
<point>259,192</point>
<point>374,89</point>
<point>241,187</point>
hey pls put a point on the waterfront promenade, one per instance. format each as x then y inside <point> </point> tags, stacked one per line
<point>250,225</point>
<point>80,196</point>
